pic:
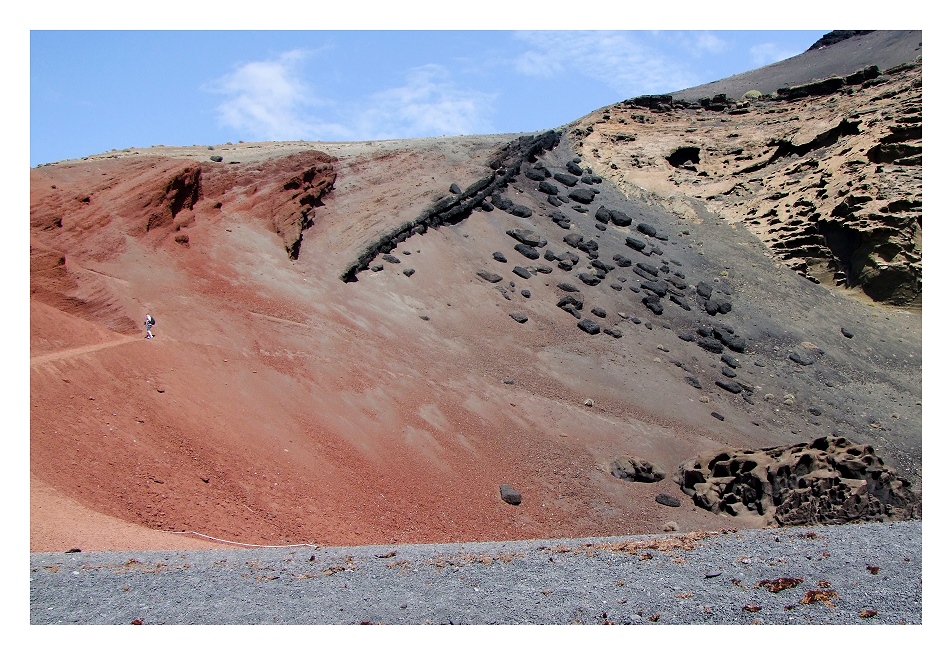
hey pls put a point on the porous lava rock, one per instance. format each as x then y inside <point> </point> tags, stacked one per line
<point>636,470</point>
<point>827,481</point>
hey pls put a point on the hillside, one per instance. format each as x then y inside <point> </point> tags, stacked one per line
<point>359,343</point>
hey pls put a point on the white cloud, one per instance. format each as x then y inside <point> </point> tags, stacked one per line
<point>708,43</point>
<point>428,104</point>
<point>764,54</point>
<point>619,59</point>
<point>270,100</point>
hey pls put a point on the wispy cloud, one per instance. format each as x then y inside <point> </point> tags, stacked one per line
<point>271,100</point>
<point>622,60</point>
<point>428,104</point>
<point>764,54</point>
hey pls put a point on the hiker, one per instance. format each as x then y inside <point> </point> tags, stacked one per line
<point>149,323</point>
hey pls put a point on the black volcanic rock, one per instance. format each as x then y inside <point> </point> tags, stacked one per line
<point>521,272</point>
<point>527,252</point>
<point>647,229</point>
<point>636,470</point>
<point>582,195</point>
<point>528,237</point>
<point>589,326</point>
<point>568,180</point>
<point>730,386</point>
<point>636,244</point>
<point>491,277</point>
<point>510,495</point>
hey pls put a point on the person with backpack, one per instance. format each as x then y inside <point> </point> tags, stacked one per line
<point>149,323</point>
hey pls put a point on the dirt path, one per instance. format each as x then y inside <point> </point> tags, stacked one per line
<point>79,351</point>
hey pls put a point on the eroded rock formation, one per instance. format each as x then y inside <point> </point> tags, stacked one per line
<point>827,173</point>
<point>829,481</point>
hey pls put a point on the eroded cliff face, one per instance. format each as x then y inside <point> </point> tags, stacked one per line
<point>826,174</point>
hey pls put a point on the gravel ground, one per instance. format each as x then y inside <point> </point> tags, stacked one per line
<point>852,574</point>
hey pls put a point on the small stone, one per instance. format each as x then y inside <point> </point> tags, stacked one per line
<point>589,403</point>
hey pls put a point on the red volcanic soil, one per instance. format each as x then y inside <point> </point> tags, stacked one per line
<point>278,404</point>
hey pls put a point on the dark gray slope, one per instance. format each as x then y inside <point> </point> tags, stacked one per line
<point>883,48</point>
<point>874,570</point>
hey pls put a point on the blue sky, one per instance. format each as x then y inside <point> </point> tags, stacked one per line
<point>94,91</point>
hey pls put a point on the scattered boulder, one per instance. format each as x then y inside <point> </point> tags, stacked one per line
<point>527,237</point>
<point>653,303</point>
<point>548,188</point>
<point>647,229</point>
<point>490,277</point>
<point>829,481</point>
<point>599,312</point>
<point>498,256</point>
<point>622,261</point>
<point>847,333</point>
<point>574,169</point>
<point>520,318</point>
<point>520,211</point>
<point>636,470</point>
<point>389,258</point>
<point>582,195</point>
<point>527,252</point>
<point>633,243</point>
<point>589,279</point>
<point>716,305</point>
<point>693,381</point>
<point>454,189</point>
<point>589,326</point>
<point>729,386</point>
<point>668,500</point>
<point>510,495</point>
<point>730,361</point>
<point>620,218</point>
<point>568,180</point>
<point>524,273</point>
<point>711,344</point>
<point>567,287</point>
<point>409,272</point>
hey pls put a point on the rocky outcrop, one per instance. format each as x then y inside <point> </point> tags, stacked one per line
<point>827,173</point>
<point>455,207</point>
<point>829,481</point>
<point>637,470</point>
